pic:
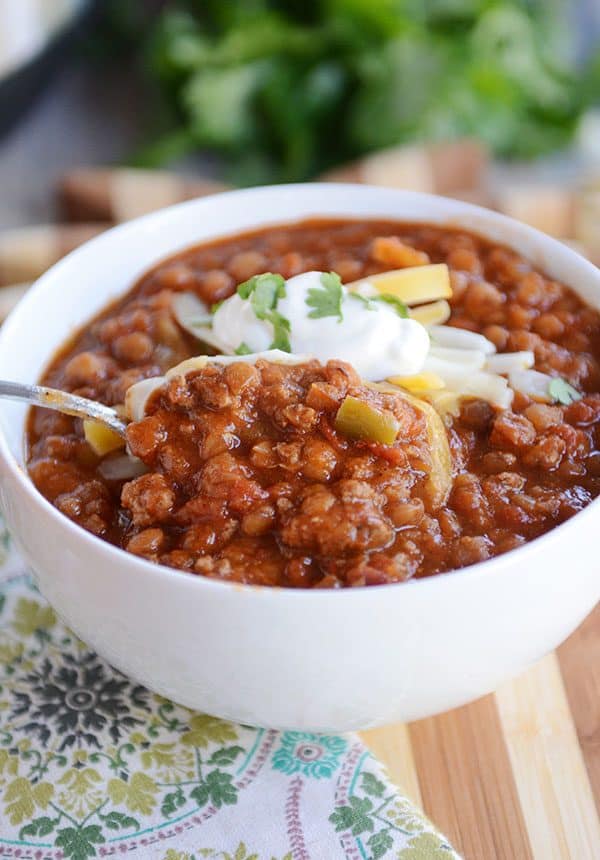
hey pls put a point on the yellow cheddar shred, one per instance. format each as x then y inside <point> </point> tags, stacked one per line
<point>101,439</point>
<point>419,382</point>
<point>439,479</point>
<point>439,476</point>
<point>435,313</point>
<point>414,285</point>
<point>446,403</point>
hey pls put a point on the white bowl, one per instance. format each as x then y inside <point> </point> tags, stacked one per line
<point>318,660</point>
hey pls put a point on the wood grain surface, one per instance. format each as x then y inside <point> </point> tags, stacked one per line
<point>515,775</point>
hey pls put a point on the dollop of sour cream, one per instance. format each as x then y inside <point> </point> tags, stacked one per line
<point>370,336</point>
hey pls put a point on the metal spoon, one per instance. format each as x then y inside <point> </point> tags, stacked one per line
<point>62,401</point>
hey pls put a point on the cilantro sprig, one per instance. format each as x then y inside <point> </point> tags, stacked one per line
<point>326,300</point>
<point>366,300</point>
<point>281,332</point>
<point>397,304</point>
<point>370,302</point>
<point>561,392</point>
<point>242,79</point>
<point>263,292</point>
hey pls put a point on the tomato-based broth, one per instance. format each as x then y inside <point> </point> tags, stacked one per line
<point>321,470</point>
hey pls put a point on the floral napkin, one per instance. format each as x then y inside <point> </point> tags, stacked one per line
<point>94,765</point>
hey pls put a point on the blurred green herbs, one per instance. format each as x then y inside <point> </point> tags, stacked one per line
<point>284,89</point>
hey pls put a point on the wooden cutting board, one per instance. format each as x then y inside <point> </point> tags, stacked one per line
<point>515,775</point>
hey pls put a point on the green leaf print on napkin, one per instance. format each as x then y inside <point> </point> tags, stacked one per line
<point>241,853</point>
<point>206,729</point>
<point>138,794</point>
<point>380,843</point>
<point>22,799</point>
<point>31,617</point>
<point>217,788</point>
<point>78,843</point>
<point>38,827</point>
<point>355,817</point>
<point>92,765</point>
<point>378,818</point>
<point>427,846</point>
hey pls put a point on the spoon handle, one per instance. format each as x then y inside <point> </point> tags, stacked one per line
<point>62,401</point>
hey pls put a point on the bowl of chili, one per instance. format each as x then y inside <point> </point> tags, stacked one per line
<point>344,589</point>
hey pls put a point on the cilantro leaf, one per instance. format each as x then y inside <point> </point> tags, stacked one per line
<point>269,84</point>
<point>243,349</point>
<point>264,291</point>
<point>561,392</point>
<point>366,300</point>
<point>326,299</point>
<point>268,290</point>
<point>246,288</point>
<point>281,331</point>
<point>396,303</point>
<point>215,307</point>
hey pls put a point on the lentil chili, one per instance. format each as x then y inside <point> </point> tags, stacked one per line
<point>248,478</point>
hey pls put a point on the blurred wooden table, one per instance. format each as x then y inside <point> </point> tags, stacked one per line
<point>515,775</point>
